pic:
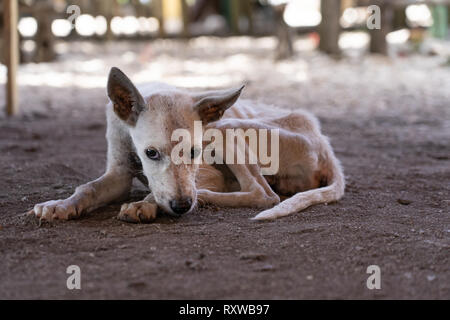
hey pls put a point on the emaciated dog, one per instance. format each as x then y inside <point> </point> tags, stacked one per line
<point>140,125</point>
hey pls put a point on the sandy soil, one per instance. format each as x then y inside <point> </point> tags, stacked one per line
<point>388,121</point>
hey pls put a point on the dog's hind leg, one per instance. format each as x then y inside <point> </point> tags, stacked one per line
<point>210,178</point>
<point>255,191</point>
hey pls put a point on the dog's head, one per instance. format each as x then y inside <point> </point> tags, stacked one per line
<point>152,121</point>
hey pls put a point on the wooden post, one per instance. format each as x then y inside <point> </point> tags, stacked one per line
<point>248,11</point>
<point>399,20</point>
<point>11,36</point>
<point>185,16</point>
<point>329,27</point>
<point>234,16</point>
<point>378,43</point>
<point>285,48</point>
<point>45,40</point>
<point>108,10</point>
<point>159,13</point>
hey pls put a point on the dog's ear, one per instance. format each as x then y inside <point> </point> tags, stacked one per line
<point>126,99</point>
<point>211,105</point>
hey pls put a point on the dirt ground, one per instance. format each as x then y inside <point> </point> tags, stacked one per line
<point>388,121</point>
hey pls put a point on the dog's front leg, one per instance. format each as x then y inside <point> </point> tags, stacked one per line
<point>139,212</point>
<point>113,185</point>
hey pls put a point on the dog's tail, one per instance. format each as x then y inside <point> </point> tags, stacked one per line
<point>302,200</point>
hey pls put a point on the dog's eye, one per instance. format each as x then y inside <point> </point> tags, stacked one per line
<point>152,154</point>
<point>194,153</point>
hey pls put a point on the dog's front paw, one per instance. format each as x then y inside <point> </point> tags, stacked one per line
<point>55,210</point>
<point>138,212</point>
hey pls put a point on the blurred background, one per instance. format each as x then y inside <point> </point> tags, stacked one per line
<point>207,43</point>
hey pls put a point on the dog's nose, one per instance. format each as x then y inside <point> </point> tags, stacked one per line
<point>181,206</point>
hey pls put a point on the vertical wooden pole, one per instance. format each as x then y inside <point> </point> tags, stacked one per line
<point>234,16</point>
<point>329,27</point>
<point>110,9</point>
<point>45,40</point>
<point>248,9</point>
<point>11,36</point>
<point>285,48</point>
<point>185,16</point>
<point>378,42</point>
<point>159,13</point>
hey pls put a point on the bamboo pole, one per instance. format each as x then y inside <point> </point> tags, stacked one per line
<point>11,36</point>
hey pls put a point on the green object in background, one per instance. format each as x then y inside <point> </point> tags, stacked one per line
<point>439,28</point>
<point>231,10</point>
<point>225,9</point>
